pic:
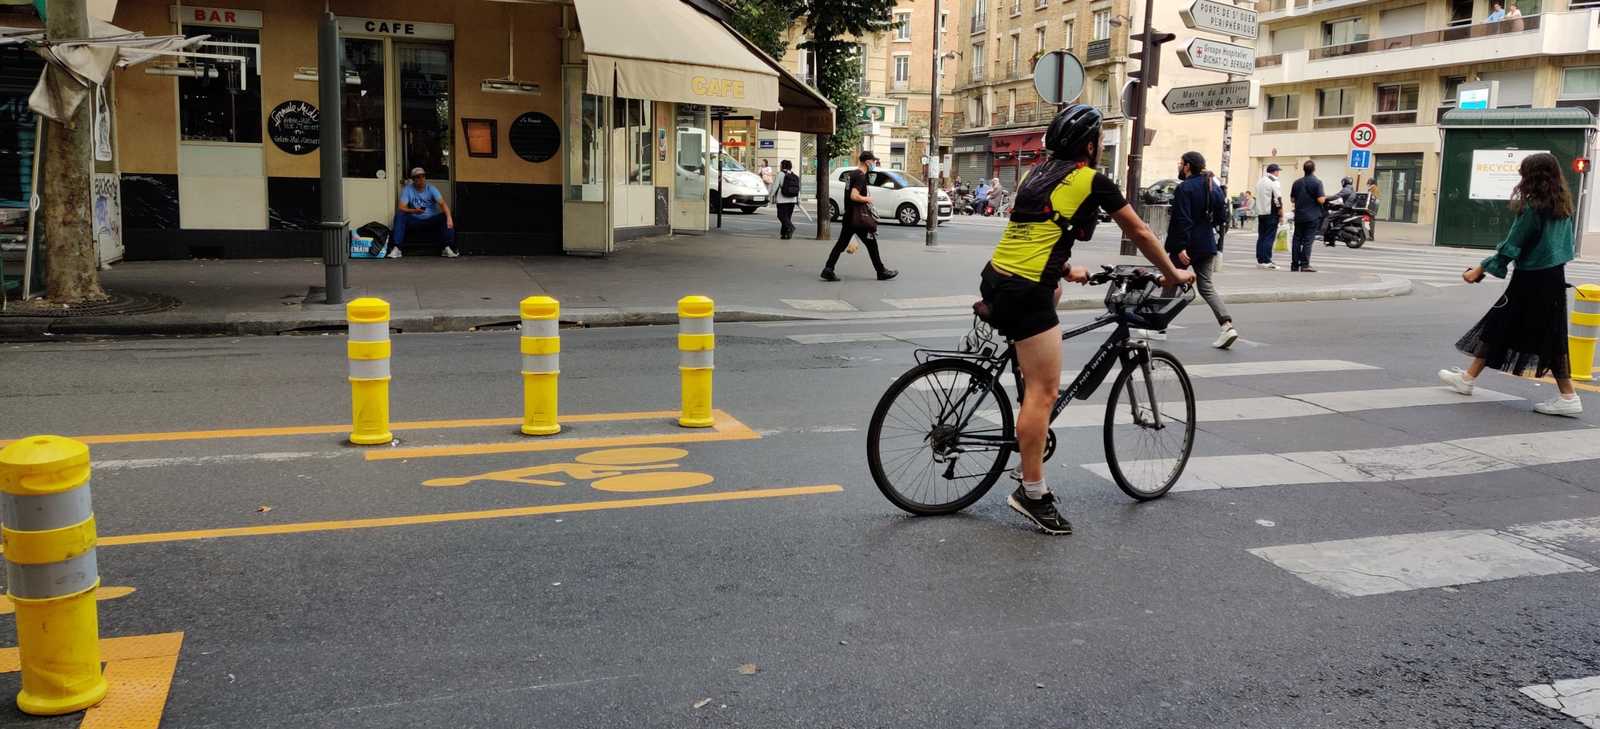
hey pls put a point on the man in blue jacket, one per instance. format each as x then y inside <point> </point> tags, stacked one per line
<point>1198,206</point>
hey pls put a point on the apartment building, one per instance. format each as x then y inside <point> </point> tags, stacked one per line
<point>1326,65</point>
<point>909,63</point>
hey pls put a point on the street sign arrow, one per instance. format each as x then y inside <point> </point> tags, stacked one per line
<point>1210,97</point>
<point>1210,55</point>
<point>1220,17</point>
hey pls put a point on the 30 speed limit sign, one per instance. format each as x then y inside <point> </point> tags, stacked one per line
<point>1363,135</point>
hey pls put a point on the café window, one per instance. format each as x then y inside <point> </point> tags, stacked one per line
<point>365,131</point>
<point>221,105</point>
<point>1397,104</point>
<point>632,118</point>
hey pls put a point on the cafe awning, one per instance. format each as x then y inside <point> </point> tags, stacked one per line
<point>665,50</point>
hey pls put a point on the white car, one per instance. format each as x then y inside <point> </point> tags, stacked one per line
<point>895,196</point>
<point>741,189</point>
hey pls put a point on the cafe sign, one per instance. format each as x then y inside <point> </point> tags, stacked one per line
<point>397,28</point>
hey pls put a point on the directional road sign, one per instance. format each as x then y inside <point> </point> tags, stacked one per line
<point>1210,97</point>
<point>1360,159</point>
<point>1363,135</point>
<point>1211,55</point>
<point>1058,77</point>
<point>1220,17</point>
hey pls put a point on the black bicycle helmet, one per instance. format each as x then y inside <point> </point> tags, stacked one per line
<point>1076,126</point>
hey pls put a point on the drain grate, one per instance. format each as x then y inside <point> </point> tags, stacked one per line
<point>120,303</point>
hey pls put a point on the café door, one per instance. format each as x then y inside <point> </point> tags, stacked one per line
<point>397,111</point>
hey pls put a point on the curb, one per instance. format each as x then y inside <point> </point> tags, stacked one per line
<point>250,324</point>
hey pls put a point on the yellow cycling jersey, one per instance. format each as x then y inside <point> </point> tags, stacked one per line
<point>1037,250</point>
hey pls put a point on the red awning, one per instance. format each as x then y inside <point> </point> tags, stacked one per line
<point>1023,142</point>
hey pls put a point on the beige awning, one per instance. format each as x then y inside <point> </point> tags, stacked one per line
<point>665,50</point>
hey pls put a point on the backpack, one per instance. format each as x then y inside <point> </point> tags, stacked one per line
<point>1032,200</point>
<point>790,186</point>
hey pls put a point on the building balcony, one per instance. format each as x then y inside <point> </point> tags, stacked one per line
<point>1272,10</point>
<point>1099,50</point>
<point>1557,34</point>
<point>900,85</point>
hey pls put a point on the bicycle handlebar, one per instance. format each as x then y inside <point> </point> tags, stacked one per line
<point>1127,274</point>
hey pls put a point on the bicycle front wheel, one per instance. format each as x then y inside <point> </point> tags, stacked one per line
<point>940,437</point>
<point>1149,429</point>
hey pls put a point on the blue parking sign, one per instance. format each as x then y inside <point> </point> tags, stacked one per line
<point>1360,159</point>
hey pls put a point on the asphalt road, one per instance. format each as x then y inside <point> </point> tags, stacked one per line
<point>787,591</point>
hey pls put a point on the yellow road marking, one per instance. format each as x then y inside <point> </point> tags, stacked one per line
<point>139,669</point>
<point>101,594</point>
<point>294,430</point>
<point>416,519</point>
<point>727,428</point>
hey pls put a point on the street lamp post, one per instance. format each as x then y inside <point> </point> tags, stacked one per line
<point>934,158</point>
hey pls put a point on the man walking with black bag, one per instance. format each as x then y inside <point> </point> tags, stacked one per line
<point>858,221</point>
<point>785,193</point>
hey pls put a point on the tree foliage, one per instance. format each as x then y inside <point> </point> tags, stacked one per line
<point>831,29</point>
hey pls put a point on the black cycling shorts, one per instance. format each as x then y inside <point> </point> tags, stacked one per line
<point>1018,308</point>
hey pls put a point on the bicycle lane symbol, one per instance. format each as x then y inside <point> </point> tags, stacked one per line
<point>628,470</point>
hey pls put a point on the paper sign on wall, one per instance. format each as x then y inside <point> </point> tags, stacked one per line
<point>1495,172</point>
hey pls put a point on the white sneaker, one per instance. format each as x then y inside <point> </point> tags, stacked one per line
<point>449,252</point>
<point>1560,405</point>
<point>1226,338</point>
<point>394,252</point>
<point>1457,380</point>
<point>1267,266</point>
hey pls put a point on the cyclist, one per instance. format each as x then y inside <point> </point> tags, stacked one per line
<point>1021,283</point>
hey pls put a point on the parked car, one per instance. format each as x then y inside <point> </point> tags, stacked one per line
<point>895,196</point>
<point>1159,192</point>
<point>741,189</point>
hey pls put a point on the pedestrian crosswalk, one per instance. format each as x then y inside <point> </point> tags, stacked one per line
<point>1432,266</point>
<point>1578,698</point>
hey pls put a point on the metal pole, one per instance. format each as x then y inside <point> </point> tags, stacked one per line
<point>822,188</point>
<point>330,94</point>
<point>33,210</point>
<point>721,120</point>
<point>1136,148</point>
<point>934,159</point>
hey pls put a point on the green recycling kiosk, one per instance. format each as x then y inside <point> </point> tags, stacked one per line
<point>1478,169</point>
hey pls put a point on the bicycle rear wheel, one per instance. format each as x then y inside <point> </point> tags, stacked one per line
<point>1147,447</point>
<point>922,457</point>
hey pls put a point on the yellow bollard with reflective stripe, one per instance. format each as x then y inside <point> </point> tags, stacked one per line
<point>369,349</point>
<point>541,365</point>
<point>1585,330</point>
<point>697,344</point>
<point>47,528</point>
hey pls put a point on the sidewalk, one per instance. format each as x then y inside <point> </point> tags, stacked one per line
<point>751,278</point>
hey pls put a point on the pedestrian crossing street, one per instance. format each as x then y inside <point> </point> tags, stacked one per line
<point>1429,266</point>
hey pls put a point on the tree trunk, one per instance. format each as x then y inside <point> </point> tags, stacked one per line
<point>71,262</point>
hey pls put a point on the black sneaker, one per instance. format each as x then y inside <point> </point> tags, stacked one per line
<point>887,274</point>
<point>827,275</point>
<point>1042,512</point>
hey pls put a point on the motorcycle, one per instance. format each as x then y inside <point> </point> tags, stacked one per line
<point>964,203</point>
<point>1345,224</point>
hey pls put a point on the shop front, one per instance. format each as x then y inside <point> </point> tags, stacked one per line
<point>972,159</point>
<point>1014,153</point>
<point>547,127</point>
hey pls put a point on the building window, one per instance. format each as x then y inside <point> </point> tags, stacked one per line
<point>362,107</point>
<point>1283,113</point>
<point>980,15</point>
<point>222,107</point>
<point>1397,104</point>
<point>977,61</point>
<point>1040,4</point>
<point>902,71</point>
<point>1335,108</point>
<point>902,26</point>
<point>1011,106</point>
<point>1072,36</point>
<point>1580,87</point>
<point>1038,36</point>
<point>944,22</point>
<point>1016,54</point>
<point>1340,32</point>
<point>1016,7</point>
<point>1102,25</point>
<point>633,120</point>
<point>1102,93</point>
<point>1460,12</point>
<point>860,50</point>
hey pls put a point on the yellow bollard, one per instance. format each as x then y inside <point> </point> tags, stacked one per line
<point>51,573</point>
<point>368,348</point>
<point>697,345</point>
<point>541,365</point>
<point>1585,330</point>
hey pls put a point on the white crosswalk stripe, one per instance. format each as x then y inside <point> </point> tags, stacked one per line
<point>1224,369</point>
<point>1578,698</point>
<point>819,304</point>
<point>1430,265</point>
<point>910,335</point>
<point>1298,406</point>
<point>1403,562</point>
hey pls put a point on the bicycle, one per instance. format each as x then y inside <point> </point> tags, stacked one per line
<point>952,407</point>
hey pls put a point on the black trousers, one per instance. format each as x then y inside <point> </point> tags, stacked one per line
<point>870,240</point>
<point>786,220</point>
<point>1305,235</point>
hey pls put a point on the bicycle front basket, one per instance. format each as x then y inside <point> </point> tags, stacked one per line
<point>1149,306</point>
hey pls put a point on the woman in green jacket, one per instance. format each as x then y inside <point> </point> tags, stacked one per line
<point>1527,328</point>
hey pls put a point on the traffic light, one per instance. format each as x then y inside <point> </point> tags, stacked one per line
<point>1581,165</point>
<point>1149,56</point>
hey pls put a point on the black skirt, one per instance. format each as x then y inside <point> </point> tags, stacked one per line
<point>1527,328</point>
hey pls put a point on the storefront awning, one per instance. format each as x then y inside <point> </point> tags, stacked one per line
<point>668,51</point>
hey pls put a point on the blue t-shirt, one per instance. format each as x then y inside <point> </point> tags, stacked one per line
<point>427,199</point>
